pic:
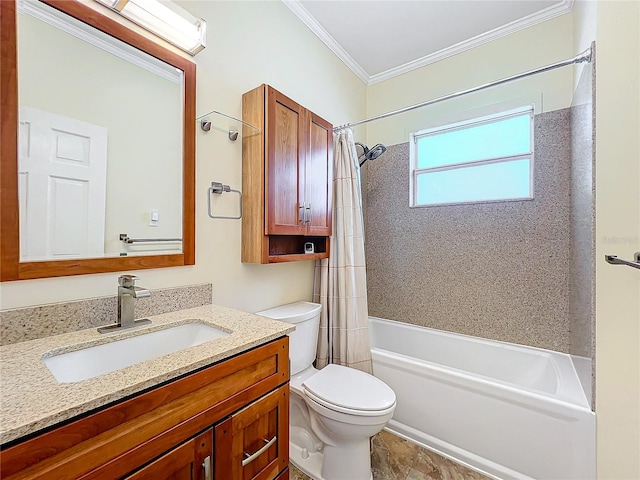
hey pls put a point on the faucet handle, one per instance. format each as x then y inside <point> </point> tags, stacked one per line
<point>127,280</point>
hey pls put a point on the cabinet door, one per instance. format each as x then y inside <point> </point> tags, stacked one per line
<point>319,176</point>
<point>253,444</point>
<point>189,461</point>
<point>284,166</point>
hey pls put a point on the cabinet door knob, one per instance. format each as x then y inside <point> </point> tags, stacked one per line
<point>308,209</point>
<point>251,458</point>
<point>206,465</point>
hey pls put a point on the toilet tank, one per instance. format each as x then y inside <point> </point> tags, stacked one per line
<point>303,341</point>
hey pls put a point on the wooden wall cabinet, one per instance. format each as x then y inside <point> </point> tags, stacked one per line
<point>287,179</point>
<point>199,427</point>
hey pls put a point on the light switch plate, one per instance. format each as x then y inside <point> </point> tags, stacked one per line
<point>154,218</point>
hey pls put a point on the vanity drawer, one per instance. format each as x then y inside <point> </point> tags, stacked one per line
<point>120,438</point>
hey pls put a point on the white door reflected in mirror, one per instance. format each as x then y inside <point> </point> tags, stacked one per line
<point>62,170</point>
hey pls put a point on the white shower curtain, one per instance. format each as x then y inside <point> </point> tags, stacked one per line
<point>340,282</point>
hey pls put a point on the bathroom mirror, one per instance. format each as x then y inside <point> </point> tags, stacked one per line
<point>98,140</point>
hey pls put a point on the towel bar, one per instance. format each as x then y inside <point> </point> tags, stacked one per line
<point>614,260</point>
<point>125,239</point>
<point>219,188</point>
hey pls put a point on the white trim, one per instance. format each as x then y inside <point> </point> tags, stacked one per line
<point>548,13</point>
<point>310,21</point>
<point>99,39</point>
<point>563,7</point>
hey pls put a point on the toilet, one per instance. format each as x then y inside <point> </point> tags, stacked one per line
<point>334,411</point>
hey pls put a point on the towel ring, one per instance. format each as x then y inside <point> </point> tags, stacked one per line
<point>218,188</point>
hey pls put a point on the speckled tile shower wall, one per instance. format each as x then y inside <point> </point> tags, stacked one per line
<point>493,270</point>
<point>29,323</point>
<point>582,217</point>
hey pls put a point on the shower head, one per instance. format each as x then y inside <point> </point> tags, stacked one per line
<point>370,153</point>
<point>376,151</point>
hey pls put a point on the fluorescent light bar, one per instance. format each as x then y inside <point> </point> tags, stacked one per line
<point>165,19</point>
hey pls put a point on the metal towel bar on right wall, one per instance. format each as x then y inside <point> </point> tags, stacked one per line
<point>613,260</point>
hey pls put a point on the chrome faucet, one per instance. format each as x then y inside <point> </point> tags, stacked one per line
<point>127,293</point>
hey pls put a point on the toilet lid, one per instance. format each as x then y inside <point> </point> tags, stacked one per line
<point>350,388</point>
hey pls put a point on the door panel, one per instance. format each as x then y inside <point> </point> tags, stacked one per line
<point>67,205</point>
<point>319,176</point>
<point>285,165</point>
<point>62,186</point>
<point>257,436</point>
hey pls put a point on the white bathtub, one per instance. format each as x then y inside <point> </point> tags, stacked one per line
<point>508,411</point>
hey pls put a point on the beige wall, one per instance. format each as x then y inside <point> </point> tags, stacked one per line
<point>584,32</point>
<point>249,43</point>
<point>527,49</point>
<point>618,233</point>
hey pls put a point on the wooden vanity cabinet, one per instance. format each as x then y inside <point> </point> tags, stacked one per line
<point>198,427</point>
<point>287,179</point>
<point>248,445</point>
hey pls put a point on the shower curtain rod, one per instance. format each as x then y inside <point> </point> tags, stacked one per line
<point>584,57</point>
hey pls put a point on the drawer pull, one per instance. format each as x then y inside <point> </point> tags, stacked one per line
<point>206,465</point>
<point>251,458</point>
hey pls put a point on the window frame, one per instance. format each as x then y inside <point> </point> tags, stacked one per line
<point>414,171</point>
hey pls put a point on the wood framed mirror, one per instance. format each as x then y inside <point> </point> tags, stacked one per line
<point>14,264</point>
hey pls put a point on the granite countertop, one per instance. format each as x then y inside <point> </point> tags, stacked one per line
<point>32,399</point>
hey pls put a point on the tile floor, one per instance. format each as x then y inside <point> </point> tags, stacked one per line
<point>393,458</point>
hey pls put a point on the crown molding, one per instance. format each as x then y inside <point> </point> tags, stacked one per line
<point>309,20</point>
<point>548,13</point>
<point>99,39</point>
<point>563,7</point>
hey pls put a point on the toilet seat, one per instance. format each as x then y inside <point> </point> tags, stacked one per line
<point>346,411</point>
<point>350,391</point>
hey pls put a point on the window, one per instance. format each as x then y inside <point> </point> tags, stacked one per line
<point>484,159</point>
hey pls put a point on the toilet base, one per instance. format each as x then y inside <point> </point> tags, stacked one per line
<point>312,465</point>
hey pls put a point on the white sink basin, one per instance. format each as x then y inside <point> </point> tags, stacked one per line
<point>94,361</point>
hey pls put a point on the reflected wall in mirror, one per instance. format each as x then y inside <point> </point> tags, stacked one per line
<point>105,146</point>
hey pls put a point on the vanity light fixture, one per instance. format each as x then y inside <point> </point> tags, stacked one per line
<point>166,20</point>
